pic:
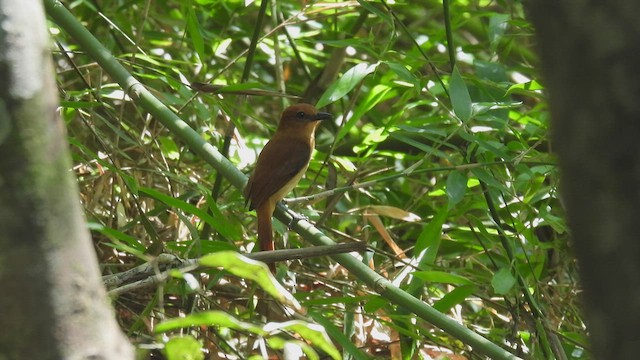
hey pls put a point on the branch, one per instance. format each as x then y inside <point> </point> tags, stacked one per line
<point>157,271</point>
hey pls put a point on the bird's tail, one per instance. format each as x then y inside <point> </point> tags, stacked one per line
<point>265,232</point>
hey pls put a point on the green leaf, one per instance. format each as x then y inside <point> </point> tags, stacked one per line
<point>557,223</point>
<point>377,94</point>
<point>169,148</point>
<point>403,73</point>
<point>208,318</point>
<point>453,298</point>
<point>498,24</point>
<point>246,268</point>
<point>313,333</point>
<point>428,243</point>
<point>492,71</point>
<point>278,343</point>
<point>346,83</point>
<point>132,182</point>
<point>183,348</point>
<point>373,138</point>
<point>460,98</point>
<point>193,27</point>
<point>431,235</point>
<point>530,88</point>
<point>442,277</point>
<point>121,240</point>
<point>420,145</point>
<point>80,104</point>
<point>486,177</point>
<point>456,187</point>
<point>374,10</point>
<point>338,336</point>
<point>495,148</point>
<point>224,227</point>
<point>503,281</point>
<point>374,303</point>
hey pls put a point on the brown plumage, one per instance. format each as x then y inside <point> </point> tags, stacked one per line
<point>281,164</point>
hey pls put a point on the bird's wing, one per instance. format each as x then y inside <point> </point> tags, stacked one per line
<point>279,163</point>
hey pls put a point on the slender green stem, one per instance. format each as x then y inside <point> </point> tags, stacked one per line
<point>447,26</point>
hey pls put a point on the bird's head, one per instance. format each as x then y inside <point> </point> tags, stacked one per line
<point>301,118</point>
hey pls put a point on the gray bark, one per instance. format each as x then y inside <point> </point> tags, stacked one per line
<point>53,305</point>
<point>590,56</point>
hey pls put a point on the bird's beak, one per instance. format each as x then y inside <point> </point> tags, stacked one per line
<point>321,116</point>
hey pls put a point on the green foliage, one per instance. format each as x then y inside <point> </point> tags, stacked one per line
<point>346,83</point>
<point>183,348</point>
<point>238,265</point>
<point>463,148</point>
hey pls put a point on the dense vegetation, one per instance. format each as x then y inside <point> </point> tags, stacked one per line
<point>440,137</point>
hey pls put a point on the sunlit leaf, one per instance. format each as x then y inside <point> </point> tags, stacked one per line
<point>403,73</point>
<point>393,212</point>
<point>346,83</point>
<point>292,347</point>
<point>378,94</point>
<point>531,88</point>
<point>169,148</point>
<point>194,33</point>
<point>313,333</point>
<point>249,269</point>
<point>208,318</point>
<point>183,348</point>
<point>442,277</point>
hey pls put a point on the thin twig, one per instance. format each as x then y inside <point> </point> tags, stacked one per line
<point>147,274</point>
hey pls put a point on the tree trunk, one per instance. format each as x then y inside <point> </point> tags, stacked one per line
<point>590,56</point>
<point>53,305</point>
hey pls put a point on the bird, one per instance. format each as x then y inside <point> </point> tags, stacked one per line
<point>281,164</point>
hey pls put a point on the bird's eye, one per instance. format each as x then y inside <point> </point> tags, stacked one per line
<point>300,114</point>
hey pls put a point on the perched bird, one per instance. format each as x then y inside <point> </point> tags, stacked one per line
<point>281,164</point>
